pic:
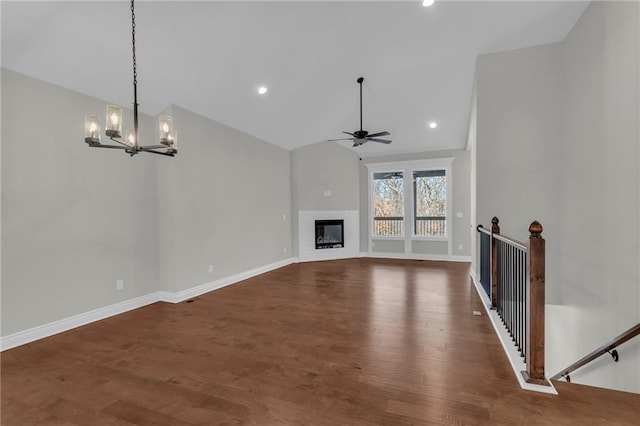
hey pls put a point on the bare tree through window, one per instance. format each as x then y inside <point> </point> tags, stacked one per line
<point>430,203</point>
<point>388,203</point>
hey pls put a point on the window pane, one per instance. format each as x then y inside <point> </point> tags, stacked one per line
<point>388,204</point>
<point>430,203</point>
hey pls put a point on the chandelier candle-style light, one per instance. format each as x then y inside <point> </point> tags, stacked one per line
<point>113,127</point>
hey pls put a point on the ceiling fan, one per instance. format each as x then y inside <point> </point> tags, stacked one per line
<point>360,137</point>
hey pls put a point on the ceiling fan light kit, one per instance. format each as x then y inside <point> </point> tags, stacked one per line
<point>360,137</point>
<point>113,127</point>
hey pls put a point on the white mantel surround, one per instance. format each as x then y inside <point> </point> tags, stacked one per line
<point>307,234</point>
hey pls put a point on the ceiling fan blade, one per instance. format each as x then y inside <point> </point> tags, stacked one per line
<point>379,140</point>
<point>379,134</point>
<point>350,134</point>
<point>343,139</point>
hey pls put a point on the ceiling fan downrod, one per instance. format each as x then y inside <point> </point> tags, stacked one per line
<point>360,80</point>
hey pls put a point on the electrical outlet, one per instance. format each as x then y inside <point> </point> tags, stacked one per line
<point>211,269</point>
<point>119,285</point>
<point>460,246</point>
<point>284,250</point>
<point>284,217</point>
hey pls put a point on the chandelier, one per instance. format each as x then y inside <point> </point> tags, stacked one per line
<point>113,127</point>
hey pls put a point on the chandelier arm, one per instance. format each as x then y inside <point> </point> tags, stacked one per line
<point>121,143</point>
<point>101,145</point>
<point>144,148</point>
<point>168,154</point>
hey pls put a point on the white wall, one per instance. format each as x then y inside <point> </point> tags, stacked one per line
<point>76,219</point>
<point>320,167</point>
<point>221,202</point>
<point>473,160</point>
<point>557,141</point>
<point>599,186</point>
<point>519,133</point>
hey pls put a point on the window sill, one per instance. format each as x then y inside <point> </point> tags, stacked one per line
<point>424,238</point>
<point>412,238</point>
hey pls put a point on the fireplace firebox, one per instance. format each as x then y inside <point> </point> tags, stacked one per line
<point>329,234</point>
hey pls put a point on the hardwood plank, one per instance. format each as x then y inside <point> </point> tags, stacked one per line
<point>349,342</point>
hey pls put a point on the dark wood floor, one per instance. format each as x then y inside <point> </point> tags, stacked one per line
<point>352,342</point>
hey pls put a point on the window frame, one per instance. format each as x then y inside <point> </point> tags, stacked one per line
<point>371,225</point>
<point>447,218</point>
<point>408,168</point>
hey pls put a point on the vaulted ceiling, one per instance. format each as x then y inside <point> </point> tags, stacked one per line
<point>210,57</point>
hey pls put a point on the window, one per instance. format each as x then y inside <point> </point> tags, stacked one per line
<point>388,204</point>
<point>410,200</point>
<point>430,203</point>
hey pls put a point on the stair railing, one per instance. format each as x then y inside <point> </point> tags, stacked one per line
<point>513,276</point>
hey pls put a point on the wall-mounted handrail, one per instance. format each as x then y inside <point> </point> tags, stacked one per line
<point>608,347</point>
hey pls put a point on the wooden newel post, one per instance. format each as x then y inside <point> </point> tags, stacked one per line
<point>535,306</point>
<point>495,230</point>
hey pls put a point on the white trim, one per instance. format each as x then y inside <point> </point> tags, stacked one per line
<point>40,332</point>
<point>428,238</point>
<point>392,166</point>
<point>407,168</point>
<point>416,256</point>
<point>46,330</point>
<point>307,251</point>
<point>507,344</point>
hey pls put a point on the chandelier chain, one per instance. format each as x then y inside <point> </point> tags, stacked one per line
<point>133,44</point>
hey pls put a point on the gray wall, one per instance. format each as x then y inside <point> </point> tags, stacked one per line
<point>557,140</point>
<point>320,167</point>
<point>519,132</point>
<point>461,203</point>
<point>600,186</point>
<point>74,219</point>
<point>221,202</point>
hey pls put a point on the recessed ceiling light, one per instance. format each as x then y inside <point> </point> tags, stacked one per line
<point>433,124</point>
<point>427,3</point>
<point>262,90</point>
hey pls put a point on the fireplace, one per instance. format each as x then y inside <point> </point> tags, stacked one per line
<point>329,234</point>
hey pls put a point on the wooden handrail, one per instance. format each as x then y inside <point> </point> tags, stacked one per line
<point>606,348</point>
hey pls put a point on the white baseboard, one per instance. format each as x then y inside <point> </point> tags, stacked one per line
<point>474,276</point>
<point>46,330</point>
<point>517,364</point>
<point>40,332</point>
<point>483,296</point>
<point>416,256</point>
<point>181,296</point>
